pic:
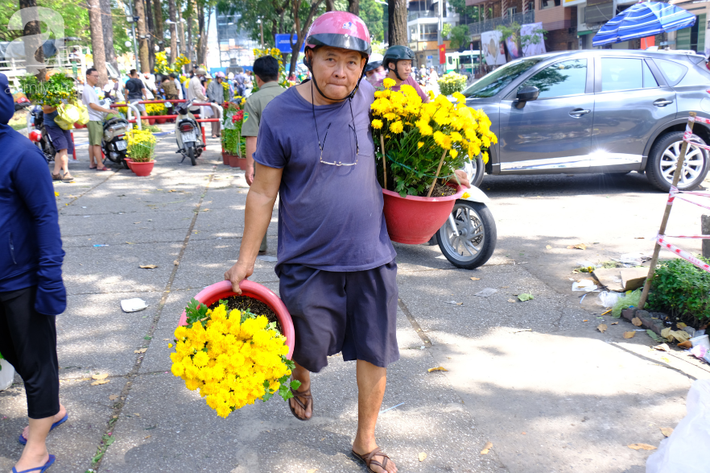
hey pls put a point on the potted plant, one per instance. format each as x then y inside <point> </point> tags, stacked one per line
<point>235,349</point>
<point>141,148</point>
<point>419,146</point>
<point>452,82</point>
<point>233,151</point>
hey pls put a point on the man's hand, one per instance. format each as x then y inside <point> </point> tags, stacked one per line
<point>237,274</point>
<point>463,178</point>
<point>249,174</point>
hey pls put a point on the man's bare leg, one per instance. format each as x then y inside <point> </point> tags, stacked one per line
<point>304,376</point>
<point>371,382</point>
<point>35,452</point>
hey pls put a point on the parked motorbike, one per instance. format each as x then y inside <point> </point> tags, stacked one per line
<point>38,133</point>
<point>188,133</point>
<point>469,236</point>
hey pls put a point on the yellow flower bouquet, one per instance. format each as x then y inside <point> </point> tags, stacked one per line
<point>419,143</point>
<point>233,357</point>
<point>141,145</point>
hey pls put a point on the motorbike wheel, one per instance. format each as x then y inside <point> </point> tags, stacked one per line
<point>474,244</point>
<point>191,155</point>
<point>123,162</point>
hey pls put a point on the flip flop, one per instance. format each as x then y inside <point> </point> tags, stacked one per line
<point>41,469</point>
<point>102,169</point>
<point>309,400</point>
<point>368,458</point>
<point>56,177</point>
<point>23,440</point>
<point>92,167</point>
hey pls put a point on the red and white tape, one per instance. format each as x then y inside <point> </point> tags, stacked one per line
<point>682,253</point>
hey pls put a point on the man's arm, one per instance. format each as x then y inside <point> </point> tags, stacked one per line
<point>260,204</point>
<point>98,108</point>
<point>144,91</point>
<point>251,147</point>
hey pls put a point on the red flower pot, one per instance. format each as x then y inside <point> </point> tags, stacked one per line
<point>413,220</point>
<point>161,120</point>
<point>142,169</point>
<point>223,289</point>
<point>242,164</point>
<point>151,121</point>
<point>234,161</point>
<point>225,158</point>
<point>129,162</point>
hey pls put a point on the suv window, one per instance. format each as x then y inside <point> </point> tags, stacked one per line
<point>492,83</point>
<point>648,79</point>
<point>672,70</point>
<point>625,74</point>
<point>561,79</point>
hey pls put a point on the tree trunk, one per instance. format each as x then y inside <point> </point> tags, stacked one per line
<point>142,37</point>
<point>302,30</point>
<point>173,30</point>
<point>201,35</point>
<point>181,34</point>
<point>397,22</point>
<point>33,43</point>
<point>159,35</point>
<point>150,29</point>
<point>354,6</point>
<point>188,27</point>
<point>97,40</point>
<point>107,29</point>
<point>329,5</point>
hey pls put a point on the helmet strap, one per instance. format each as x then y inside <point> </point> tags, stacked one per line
<point>396,72</point>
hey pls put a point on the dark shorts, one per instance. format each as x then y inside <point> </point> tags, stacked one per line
<point>60,138</point>
<point>353,312</point>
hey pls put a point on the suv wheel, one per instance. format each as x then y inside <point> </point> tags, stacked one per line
<point>663,159</point>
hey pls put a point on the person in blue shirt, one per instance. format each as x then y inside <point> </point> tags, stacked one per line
<point>31,288</point>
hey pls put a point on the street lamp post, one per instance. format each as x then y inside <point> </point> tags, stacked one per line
<point>261,29</point>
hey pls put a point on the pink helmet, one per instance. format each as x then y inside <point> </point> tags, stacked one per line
<point>220,74</point>
<point>339,29</point>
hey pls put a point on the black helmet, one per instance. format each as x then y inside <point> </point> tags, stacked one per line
<point>371,66</point>
<point>395,54</point>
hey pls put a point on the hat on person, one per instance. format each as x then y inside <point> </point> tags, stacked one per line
<point>230,76</point>
<point>200,72</point>
<point>339,29</point>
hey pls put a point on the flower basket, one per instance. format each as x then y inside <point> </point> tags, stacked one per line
<point>413,220</point>
<point>231,354</point>
<point>419,147</point>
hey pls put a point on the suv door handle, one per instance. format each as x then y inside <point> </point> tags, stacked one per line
<point>578,112</point>
<point>662,102</point>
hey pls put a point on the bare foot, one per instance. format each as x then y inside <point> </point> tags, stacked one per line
<point>380,458</point>
<point>59,416</point>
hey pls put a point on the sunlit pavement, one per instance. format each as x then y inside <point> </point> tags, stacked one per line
<point>535,379</point>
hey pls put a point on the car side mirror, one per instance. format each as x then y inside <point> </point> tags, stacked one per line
<point>527,93</point>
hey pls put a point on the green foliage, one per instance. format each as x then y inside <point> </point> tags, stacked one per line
<point>452,82</point>
<point>446,31</point>
<point>459,37</point>
<point>59,88</point>
<point>196,312</point>
<point>371,12</point>
<point>681,289</point>
<point>232,141</point>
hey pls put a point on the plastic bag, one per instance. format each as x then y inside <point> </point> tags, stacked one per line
<point>68,115</point>
<point>608,299</point>
<point>83,114</point>
<point>630,299</point>
<point>686,450</point>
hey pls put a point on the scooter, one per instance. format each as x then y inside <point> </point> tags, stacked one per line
<point>114,144</point>
<point>188,134</point>
<point>37,133</point>
<point>469,236</point>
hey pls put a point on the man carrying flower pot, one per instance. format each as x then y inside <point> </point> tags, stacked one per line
<point>335,260</point>
<point>398,64</point>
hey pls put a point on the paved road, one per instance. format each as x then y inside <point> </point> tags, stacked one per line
<point>542,385</point>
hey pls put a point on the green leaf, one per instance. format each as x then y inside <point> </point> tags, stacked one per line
<point>525,297</point>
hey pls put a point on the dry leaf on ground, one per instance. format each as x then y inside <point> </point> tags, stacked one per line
<point>549,247</point>
<point>636,321</point>
<point>512,300</point>
<point>140,350</point>
<point>641,446</point>
<point>438,368</point>
<point>100,376</point>
<point>680,325</point>
<point>615,323</point>
<point>113,397</point>
<point>579,246</point>
<point>630,334</point>
<point>667,431</point>
<point>662,347</point>
<point>475,279</point>
<point>148,266</point>
<point>422,457</point>
<point>602,328</point>
<point>585,320</point>
<point>486,448</point>
<point>100,382</point>
<point>685,344</point>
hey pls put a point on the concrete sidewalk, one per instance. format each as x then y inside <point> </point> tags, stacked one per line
<point>535,378</point>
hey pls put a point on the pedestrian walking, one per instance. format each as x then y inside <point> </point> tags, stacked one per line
<point>397,62</point>
<point>336,267</point>
<point>215,94</point>
<point>96,120</point>
<point>136,91</point>
<point>195,92</point>
<point>433,80</point>
<point>239,82</point>
<point>31,289</point>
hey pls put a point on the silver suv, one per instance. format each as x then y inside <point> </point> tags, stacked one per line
<point>596,111</point>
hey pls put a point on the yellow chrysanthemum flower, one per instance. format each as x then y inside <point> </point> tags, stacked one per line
<point>388,83</point>
<point>397,127</point>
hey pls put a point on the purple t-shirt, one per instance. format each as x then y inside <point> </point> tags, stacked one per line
<point>330,217</point>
